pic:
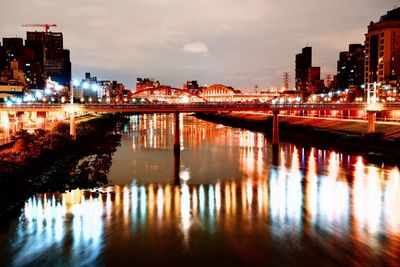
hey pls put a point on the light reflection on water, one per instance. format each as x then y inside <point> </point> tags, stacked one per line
<point>312,204</point>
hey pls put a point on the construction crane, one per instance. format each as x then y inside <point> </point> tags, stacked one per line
<point>46,27</point>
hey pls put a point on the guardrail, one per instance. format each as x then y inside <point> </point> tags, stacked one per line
<point>198,107</point>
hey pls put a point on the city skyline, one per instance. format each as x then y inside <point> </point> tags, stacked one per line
<point>227,42</point>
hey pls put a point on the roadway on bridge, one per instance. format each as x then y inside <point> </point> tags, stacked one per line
<point>197,107</point>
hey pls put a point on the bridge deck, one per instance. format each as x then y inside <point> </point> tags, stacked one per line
<point>195,107</point>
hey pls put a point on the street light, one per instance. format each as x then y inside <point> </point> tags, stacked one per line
<point>85,85</point>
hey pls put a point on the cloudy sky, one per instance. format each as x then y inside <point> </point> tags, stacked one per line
<point>241,43</point>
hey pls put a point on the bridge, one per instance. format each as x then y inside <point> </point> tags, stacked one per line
<point>370,108</point>
<point>196,107</point>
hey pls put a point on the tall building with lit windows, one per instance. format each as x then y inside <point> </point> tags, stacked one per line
<point>58,63</point>
<point>350,67</point>
<point>303,63</point>
<point>382,50</point>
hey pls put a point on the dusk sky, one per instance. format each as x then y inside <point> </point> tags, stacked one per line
<point>235,42</point>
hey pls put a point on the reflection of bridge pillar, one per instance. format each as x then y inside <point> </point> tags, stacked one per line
<point>275,129</point>
<point>275,155</point>
<point>371,121</point>
<point>72,126</point>
<point>177,163</point>
<point>177,143</point>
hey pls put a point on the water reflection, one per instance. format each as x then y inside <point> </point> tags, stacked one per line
<point>312,204</point>
<point>85,217</point>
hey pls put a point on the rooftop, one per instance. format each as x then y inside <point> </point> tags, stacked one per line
<point>392,15</point>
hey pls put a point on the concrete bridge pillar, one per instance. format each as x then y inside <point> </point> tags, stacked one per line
<point>72,126</point>
<point>177,143</point>
<point>275,128</point>
<point>34,115</point>
<point>371,115</point>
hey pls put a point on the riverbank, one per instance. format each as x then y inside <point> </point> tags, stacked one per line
<point>349,137</point>
<point>50,161</point>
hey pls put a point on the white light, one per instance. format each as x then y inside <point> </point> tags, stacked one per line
<point>185,175</point>
<point>19,100</point>
<point>38,94</point>
<point>47,91</point>
<point>185,99</point>
<point>75,83</point>
<point>95,87</point>
<point>58,87</point>
<point>9,103</point>
<point>30,97</point>
<point>85,85</point>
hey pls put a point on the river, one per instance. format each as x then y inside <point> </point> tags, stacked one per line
<point>225,200</point>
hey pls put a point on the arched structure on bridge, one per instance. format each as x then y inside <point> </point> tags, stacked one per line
<point>218,92</point>
<point>167,90</point>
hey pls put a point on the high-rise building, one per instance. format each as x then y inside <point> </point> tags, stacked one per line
<point>303,63</point>
<point>34,69</point>
<point>2,57</point>
<point>58,64</point>
<point>314,82</point>
<point>382,49</point>
<point>191,86</point>
<point>350,67</point>
<point>13,50</point>
<point>13,61</point>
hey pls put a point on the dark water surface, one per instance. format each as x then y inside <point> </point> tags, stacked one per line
<point>224,201</point>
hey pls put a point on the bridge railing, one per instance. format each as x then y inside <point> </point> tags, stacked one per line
<point>227,105</point>
<point>30,106</point>
<point>199,105</point>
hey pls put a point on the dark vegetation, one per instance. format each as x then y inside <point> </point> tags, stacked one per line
<point>375,146</point>
<point>50,161</point>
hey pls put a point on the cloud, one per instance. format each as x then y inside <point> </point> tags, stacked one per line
<point>195,47</point>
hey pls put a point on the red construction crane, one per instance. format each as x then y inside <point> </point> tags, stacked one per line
<point>46,26</point>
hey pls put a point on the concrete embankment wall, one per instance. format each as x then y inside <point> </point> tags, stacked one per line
<point>345,136</point>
